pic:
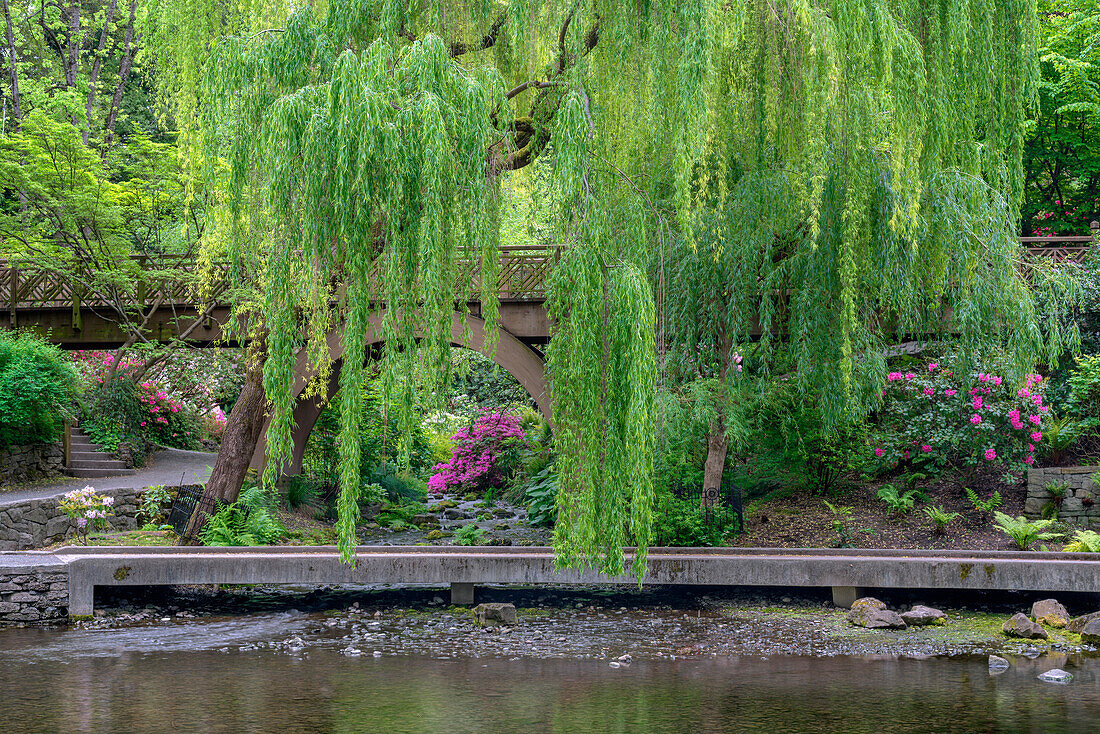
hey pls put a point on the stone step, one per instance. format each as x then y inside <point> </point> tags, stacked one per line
<point>104,463</point>
<point>93,473</point>
<point>85,446</point>
<point>90,455</point>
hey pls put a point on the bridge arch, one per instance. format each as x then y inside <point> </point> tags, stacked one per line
<point>517,358</point>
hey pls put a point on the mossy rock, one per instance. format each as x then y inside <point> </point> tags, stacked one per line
<point>502,526</point>
<point>470,496</point>
<point>436,535</point>
<point>444,505</point>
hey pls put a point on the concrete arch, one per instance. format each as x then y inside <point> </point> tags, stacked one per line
<point>517,358</point>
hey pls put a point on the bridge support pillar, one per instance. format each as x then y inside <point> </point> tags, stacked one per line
<point>81,596</point>
<point>462,594</point>
<point>845,596</point>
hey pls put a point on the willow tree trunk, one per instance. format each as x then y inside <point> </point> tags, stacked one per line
<point>717,442</point>
<point>242,432</point>
<point>717,449</point>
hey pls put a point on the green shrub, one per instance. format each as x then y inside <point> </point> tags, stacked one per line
<point>399,486</point>
<point>248,521</point>
<point>541,497</point>
<point>1022,531</point>
<point>683,523</point>
<point>155,504</point>
<point>303,492</point>
<point>469,535</point>
<point>1083,384</point>
<point>841,516</point>
<point>38,390</point>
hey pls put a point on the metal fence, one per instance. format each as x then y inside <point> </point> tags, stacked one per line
<point>722,506</point>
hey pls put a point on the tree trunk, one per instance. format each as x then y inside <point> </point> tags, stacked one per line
<point>14,82</point>
<point>123,77</point>
<point>72,56</point>
<point>97,64</point>
<point>717,448</point>
<point>242,432</point>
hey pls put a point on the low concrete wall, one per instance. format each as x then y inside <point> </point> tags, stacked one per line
<point>33,593</point>
<point>1081,504</point>
<point>33,461</point>
<point>35,523</point>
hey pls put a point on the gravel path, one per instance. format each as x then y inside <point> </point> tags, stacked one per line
<point>165,467</point>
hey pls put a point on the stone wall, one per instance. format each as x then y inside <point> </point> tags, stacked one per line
<point>33,596</point>
<point>1081,504</point>
<point>35,523</point>
<point>33,461</point>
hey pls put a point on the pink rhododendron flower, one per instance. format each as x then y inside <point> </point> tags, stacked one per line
<point>1031,447</point>
<point>926,448</point>
<point>975,419</point>
<point>879,452</point>
<point>949,393</point>
<point>929,391</point>
<point>932,366</point>
<point>997,381</point>
<point>909,376</point>
<point>1037,436</point>
<point>1029,460</point>
<point>990,454</point>
<point>1036,419</point>
<point>976,403</point>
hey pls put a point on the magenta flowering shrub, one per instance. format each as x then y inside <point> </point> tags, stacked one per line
<point>938,418</point>
<point>485,454</point>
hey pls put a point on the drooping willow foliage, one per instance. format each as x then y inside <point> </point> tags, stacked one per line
<point>850,167</point>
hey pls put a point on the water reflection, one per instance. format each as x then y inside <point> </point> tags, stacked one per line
<point>323,691</point>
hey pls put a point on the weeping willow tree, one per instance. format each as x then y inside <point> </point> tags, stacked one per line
<point>838,170</point>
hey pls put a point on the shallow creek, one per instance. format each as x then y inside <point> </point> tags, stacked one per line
<point>401,660</point>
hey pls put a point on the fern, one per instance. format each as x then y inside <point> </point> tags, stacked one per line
<point>1023,531</point>
<point>248,521</point>
<point>984,506</point>
<point>940,517</point>
<point>1084,541</point>
<point>899,504</point>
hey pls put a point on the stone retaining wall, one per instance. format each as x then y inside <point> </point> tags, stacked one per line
<point>33,461</point>
<point>36,523</point>
<point>33,596</point>
<point>1081,504</point>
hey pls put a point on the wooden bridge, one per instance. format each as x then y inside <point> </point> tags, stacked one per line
<point>56,307</point>
<point>60,309</point>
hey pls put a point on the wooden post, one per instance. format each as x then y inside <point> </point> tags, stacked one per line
<point>14,275</point>
<point>67,443</point>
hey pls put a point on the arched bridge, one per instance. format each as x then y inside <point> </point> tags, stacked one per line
<point>57,308</point>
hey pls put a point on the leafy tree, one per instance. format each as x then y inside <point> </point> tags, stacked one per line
<point>1062,155</point>
<point>112,230</point>
<point>853,168</point>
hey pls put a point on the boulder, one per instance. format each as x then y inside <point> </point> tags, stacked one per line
<point>1057,675</point>
<point>1018,625</point>
<point>495,614</point>
<point>1091,632</point>
<point>872,617</point>
<point>920,616</point>
<point>867,601</point>
<point>1050,612</point>
<point>1078,623</point>
<point>996,662</point>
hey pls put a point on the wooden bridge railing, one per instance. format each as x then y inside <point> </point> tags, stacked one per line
<point>523,275</point>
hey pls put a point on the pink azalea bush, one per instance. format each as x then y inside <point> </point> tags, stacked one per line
<point>938,417</point>
<point>87,508</point>
<point>485,453</point>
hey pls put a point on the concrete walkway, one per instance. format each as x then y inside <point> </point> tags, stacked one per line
<point>164,467</point>
<point>848,572</point>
